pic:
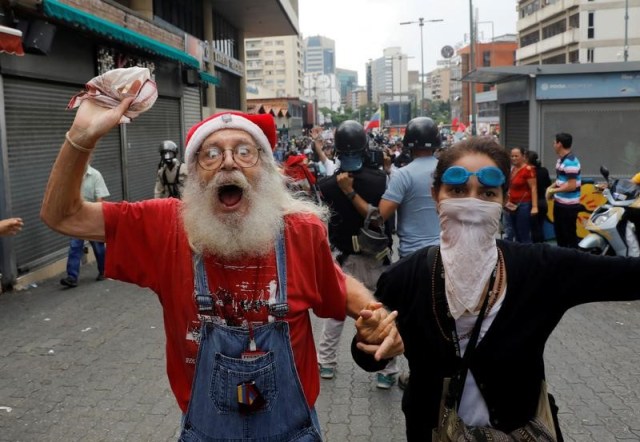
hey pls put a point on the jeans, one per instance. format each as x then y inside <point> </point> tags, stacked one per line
<point>520,221</point>
<point>76,250</point>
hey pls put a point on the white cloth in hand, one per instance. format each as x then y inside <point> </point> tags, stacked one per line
<point>109,89</point>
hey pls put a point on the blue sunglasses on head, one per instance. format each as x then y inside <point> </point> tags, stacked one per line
<point>489,176</point>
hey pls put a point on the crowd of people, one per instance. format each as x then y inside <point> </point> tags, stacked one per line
<point>258,234</point>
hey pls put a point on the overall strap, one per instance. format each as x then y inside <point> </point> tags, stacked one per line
<point>204,300</point>
<point>280,308</point>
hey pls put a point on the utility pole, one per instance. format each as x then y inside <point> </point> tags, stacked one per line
<point>472,67</point>
<point>626,30</point>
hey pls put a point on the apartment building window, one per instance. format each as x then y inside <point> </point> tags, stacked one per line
<point>529,39</point>
<point>486,58</point>
<point>574,56</point>
<point>591,30</point>
<point>279,53</point>
<point>228,91</point>
<point>529,8</point>
<point>557,59</point>
<point>554,29</point>
<point>186,15</point>
<point>590,56</point>
<point>574,21</point>
<point>268,43</point>
<point>279,42</point>
<point>225,37</point>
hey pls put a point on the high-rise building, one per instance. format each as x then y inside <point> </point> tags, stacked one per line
<point>389,76</point>
<point>347,82</point>
<point>275,63</point>
<point>438,84</point>
<point>319,55</point>
<point>577,31</point>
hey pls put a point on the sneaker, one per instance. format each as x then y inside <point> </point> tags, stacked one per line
<point>385,381</point>
<point>327,372</point>
<point>100,277</point>
<point>403,380</point>
<point>69,282</point>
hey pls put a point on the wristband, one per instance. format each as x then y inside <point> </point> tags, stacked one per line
<point>351,195</point>
<point>76,145</point>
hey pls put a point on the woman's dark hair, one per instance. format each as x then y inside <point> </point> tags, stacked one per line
<point>474,145</point>
<point>532,158</point>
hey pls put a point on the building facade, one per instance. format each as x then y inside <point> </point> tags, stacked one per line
<point>319,55</point>
<point>194,50</point>
<point>578,31</point>
<point>500,52</point>
<point>275,63</point>
<point>347,83</point>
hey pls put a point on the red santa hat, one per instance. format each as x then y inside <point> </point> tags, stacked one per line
<point>261,127</point>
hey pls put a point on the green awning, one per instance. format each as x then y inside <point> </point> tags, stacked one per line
<point>76,17</point>
<point>205,76</point>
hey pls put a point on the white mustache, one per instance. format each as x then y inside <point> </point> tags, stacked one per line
<point>223,178</point>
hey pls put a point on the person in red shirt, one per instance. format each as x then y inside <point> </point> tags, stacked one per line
<point>522,201</point>
<point>236,264</point>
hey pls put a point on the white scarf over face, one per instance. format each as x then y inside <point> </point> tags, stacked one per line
<point>468,247</point>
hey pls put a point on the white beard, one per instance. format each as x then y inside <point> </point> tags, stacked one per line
<point>240,233</point>
<point>469,227</point>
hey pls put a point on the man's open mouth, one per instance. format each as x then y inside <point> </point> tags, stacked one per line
<point>230,195</point>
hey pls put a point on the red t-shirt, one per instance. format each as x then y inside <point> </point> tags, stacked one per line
<point>147,246</point>
<point>519,190</point>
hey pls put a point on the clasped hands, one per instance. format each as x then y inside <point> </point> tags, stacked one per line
<point>376,332</point>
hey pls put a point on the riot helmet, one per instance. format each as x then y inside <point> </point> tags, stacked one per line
<point>422,133</point>
<point>168,151</point>
<point>350,142</point>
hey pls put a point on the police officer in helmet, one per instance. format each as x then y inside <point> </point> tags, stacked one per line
<point>353,193</point>
<point>409,193</point>
<point>171,172</point>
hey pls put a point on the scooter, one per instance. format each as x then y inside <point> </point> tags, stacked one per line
<point>610,232</point>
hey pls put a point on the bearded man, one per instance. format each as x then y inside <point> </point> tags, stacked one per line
<point>239,265</point>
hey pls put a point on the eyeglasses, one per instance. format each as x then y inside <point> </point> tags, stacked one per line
<point>489,176</point>
<point>244,155</point>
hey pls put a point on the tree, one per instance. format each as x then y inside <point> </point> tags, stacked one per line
<point>438,110</point>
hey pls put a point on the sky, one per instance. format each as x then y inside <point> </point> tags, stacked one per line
<point>361,29</point>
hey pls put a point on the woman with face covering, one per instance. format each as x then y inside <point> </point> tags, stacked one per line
<point>520,292</point>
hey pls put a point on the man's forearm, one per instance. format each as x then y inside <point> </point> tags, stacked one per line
<point>358,296</point>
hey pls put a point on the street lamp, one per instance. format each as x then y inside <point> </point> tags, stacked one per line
<point>421,22</point>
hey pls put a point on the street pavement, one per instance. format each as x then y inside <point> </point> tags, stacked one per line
<point>87,364</point>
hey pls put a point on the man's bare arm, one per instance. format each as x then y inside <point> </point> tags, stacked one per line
<point>63,208</point>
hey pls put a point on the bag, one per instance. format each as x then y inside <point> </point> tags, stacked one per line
<point>371,240</point>
<point>452,429</point>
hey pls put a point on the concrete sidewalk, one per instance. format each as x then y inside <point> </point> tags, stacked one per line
<point>87,364</point>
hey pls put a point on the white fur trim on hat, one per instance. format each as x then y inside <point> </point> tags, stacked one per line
<point>226,121</point>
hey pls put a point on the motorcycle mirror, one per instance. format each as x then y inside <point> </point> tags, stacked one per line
<point>605,172</point>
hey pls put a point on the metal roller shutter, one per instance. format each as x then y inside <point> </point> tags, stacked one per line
<point>37,120</point>
<point>144,134</point>
<point>517,125</point>
<point>191,109</point>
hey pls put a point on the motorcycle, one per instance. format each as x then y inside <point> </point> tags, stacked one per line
<point>610,232</point>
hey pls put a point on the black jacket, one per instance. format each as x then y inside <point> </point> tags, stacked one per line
<point>543,282</point>
<point>345,220</point>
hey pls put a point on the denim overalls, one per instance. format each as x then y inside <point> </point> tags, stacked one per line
<point>214,412</point>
